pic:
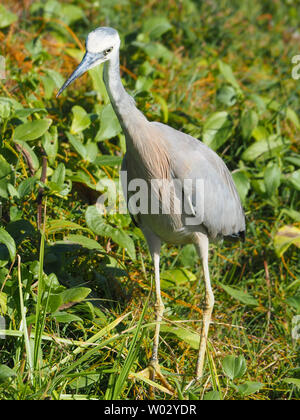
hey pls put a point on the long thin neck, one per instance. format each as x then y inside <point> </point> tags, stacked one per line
<point>123,104</point>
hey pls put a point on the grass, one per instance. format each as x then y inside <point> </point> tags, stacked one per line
<point>76,290</point>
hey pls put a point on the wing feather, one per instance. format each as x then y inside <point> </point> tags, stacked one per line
<point>192,159</point>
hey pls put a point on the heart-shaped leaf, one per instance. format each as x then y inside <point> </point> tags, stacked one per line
<point>234,366</point>
<point>80,121</point>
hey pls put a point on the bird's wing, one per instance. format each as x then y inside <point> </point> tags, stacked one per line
<point>218,204</point>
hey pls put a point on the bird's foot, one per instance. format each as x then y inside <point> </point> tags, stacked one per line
<point>194,381</point>
<point>152,372</point>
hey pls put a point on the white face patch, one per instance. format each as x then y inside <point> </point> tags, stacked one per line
<point>102,39</point>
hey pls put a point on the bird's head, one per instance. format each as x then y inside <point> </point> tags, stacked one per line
<point>101,45</point>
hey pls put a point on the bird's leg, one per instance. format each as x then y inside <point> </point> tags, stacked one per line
<point>159,309</point>
<point>153,369</point>
<point>202,248</point>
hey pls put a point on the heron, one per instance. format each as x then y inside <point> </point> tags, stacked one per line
<point>156,151</point>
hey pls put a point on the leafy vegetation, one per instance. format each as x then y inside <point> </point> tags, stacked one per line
<point>76,311</point>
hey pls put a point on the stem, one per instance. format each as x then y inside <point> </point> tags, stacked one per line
<point>41,189</point>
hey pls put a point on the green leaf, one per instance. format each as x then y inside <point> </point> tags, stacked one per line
<point>8,241</point>
<point>240,295</point>
<point>83,241</point>
<point>158,51</point>
<point>156,26</point>
<point>50,144</point>
<point>4,109</point>
<point>31,157</point>
<point>20,229</point>
<point>262,147</point>
<point>99,226</point>
<point>272,179</point>
<point>259,102</point>
<point>91,152</point>
<point>54,302</point>
<point>80,121</point>
<point>78,146</point>
<point>285,237</point>
<point>5,170</point>
<point>190,337</point>
<point>294,179</point>
<point>294,160</point>
<point>293,214</point>
<point>32,130</point>
<point>76,294</point>
<point>188,256</point>
<point>107,160</point>
<point>59,175</point>
<point>294,301</point>
<point>242,184</point>
<point>212,396</point>
<point>96,222</point>
<point>226,95</point>
<point>56,77</point>
<point>25,112</point>
<point>48,85</point>
<point>6,17</point>
<point>226,71</point>
<point>26,187</point>
<point>260,133</point>
<point>293,117</point>
<point>217,129</point>
<point>234,366</point>
<point>86,379</point>
<point>109,124</point>
<point>96,74</point>
<point>175,277</point>
<point>70,13</point>
<point>12,191</point>
<point>249,122</point>
<point>249,387</point>
<point>65,317</point>
<point>6,373</point>
<point>54,226</point>
<point>292,381</point>
<point>3,304</point>
<point>125,241</point>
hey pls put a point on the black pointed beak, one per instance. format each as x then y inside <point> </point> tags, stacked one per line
<point>89,61</point>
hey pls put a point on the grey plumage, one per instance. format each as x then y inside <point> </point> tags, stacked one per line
<point>156,151</point>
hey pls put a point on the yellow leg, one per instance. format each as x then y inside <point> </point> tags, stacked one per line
<point>153,369</point>
<point>202,246</point>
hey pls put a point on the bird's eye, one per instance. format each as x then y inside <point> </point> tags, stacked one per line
<point>105,52</point>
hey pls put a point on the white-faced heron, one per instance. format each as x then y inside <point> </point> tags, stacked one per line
<point>161,156</point>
